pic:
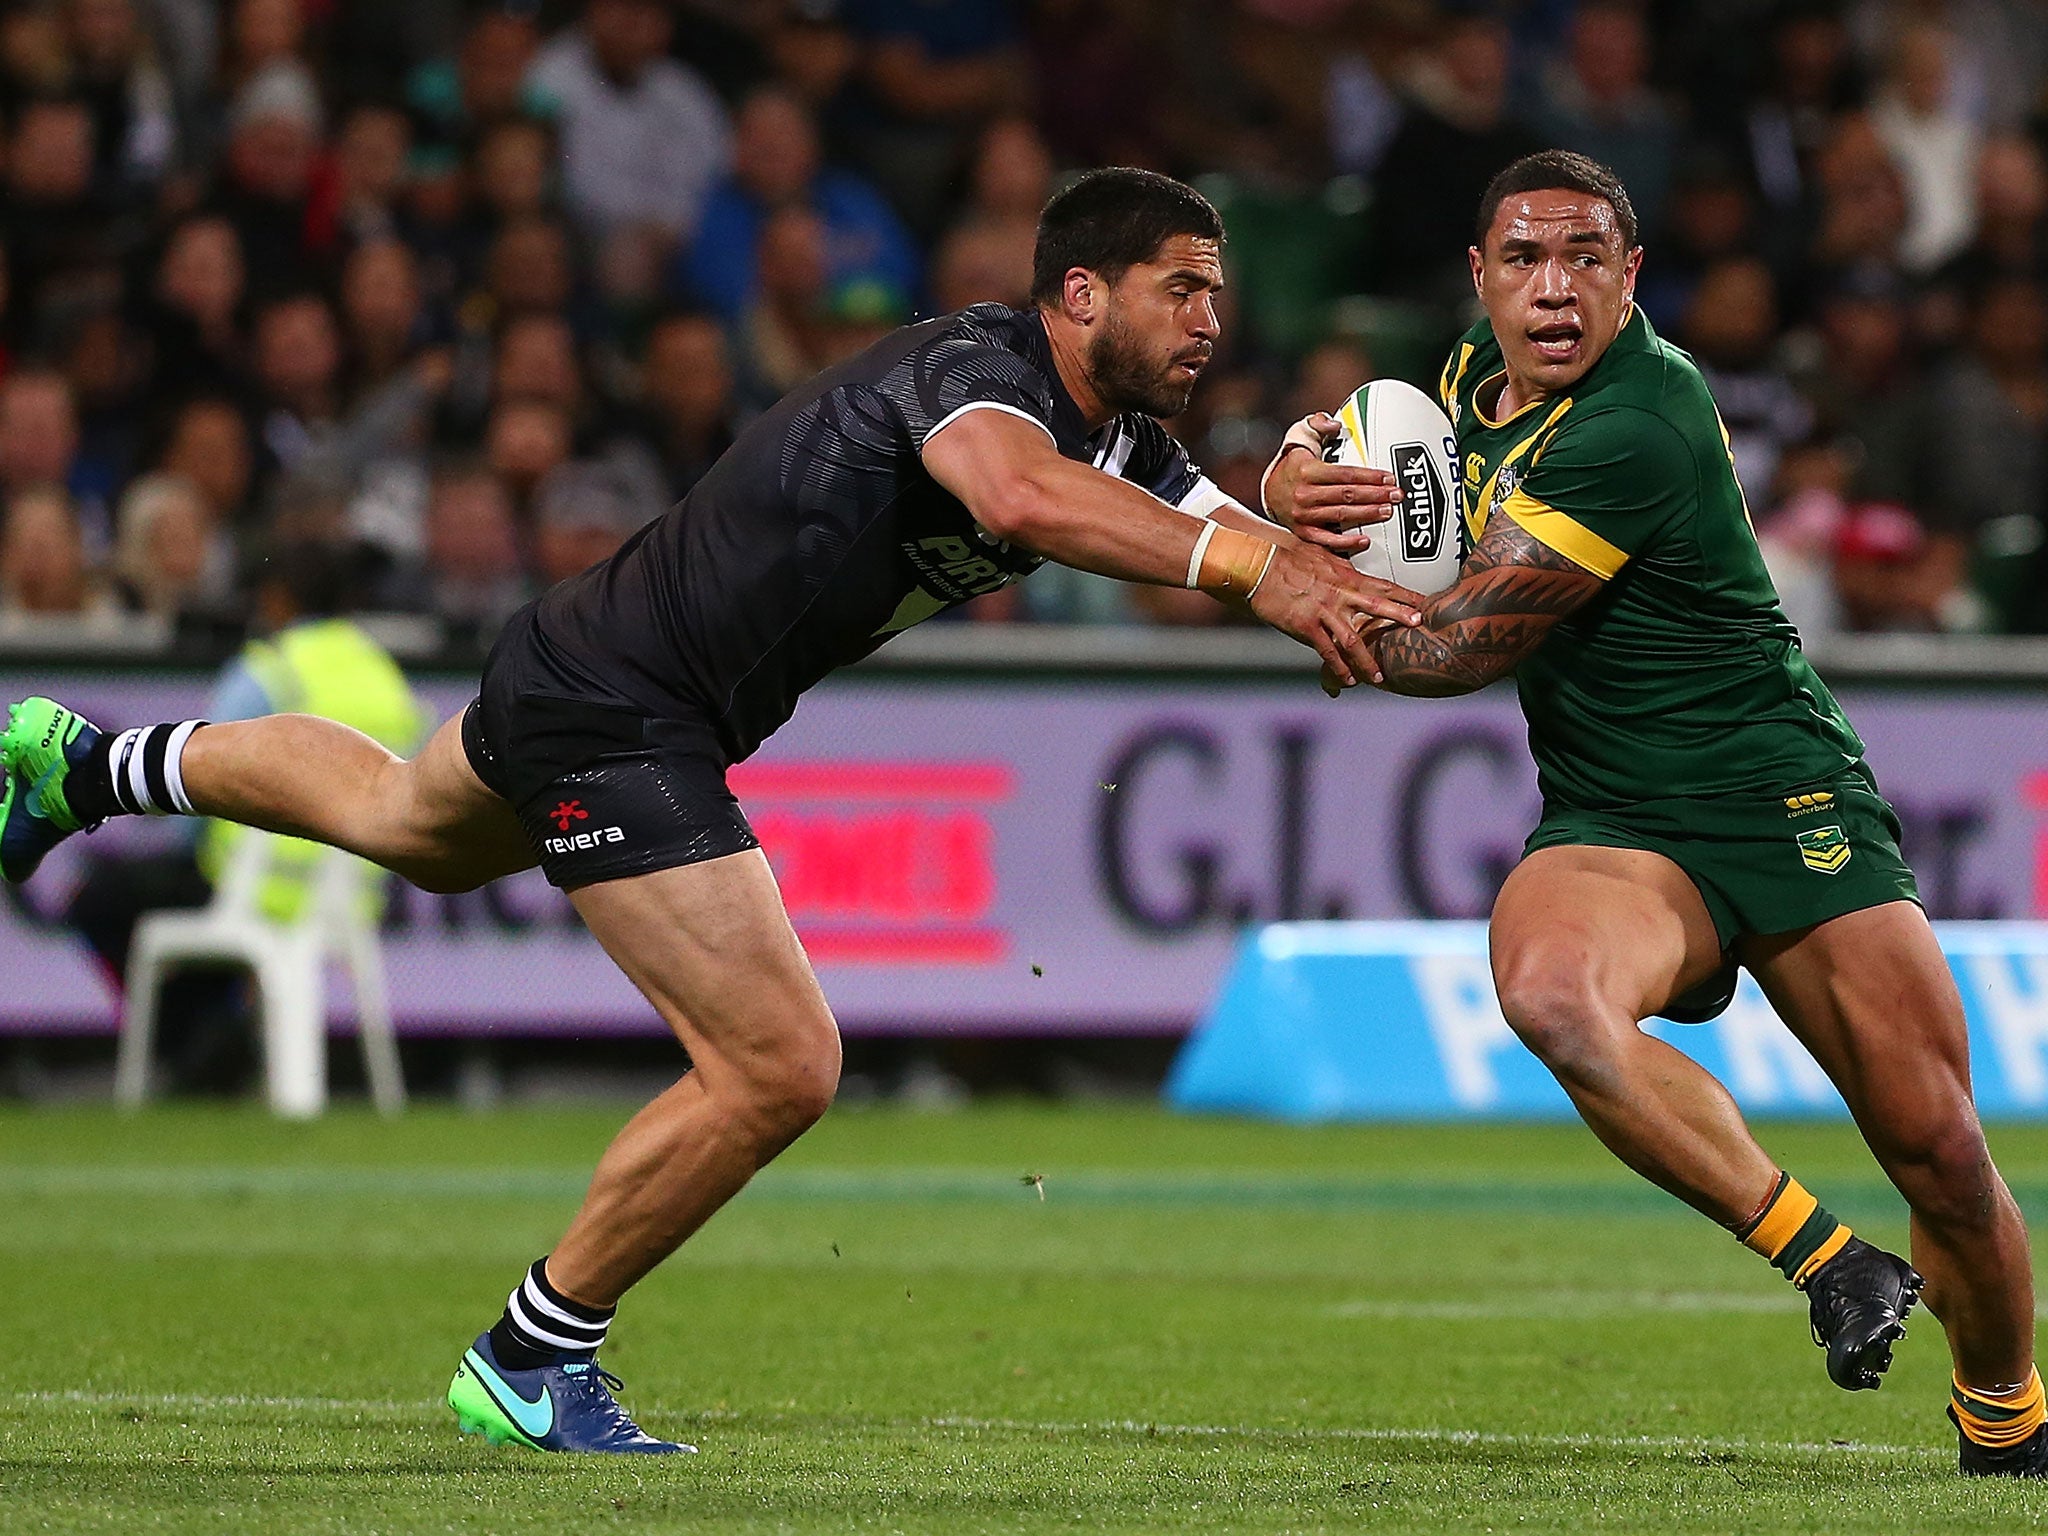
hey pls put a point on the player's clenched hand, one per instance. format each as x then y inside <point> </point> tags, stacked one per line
<point>1323,503</point>
<point>1326,605</point>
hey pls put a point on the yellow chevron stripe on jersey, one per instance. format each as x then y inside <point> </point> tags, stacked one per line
<point>1454,375</point>
<point>1478,508</point>
<point>1576,542</point>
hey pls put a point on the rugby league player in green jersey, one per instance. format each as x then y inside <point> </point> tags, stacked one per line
<point>1705,803</point>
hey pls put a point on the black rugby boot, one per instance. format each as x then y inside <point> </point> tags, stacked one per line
<point>2027,1459</point>
<point>1860,1299</point>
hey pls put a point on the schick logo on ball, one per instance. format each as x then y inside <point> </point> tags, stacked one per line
<point>1422,504</point>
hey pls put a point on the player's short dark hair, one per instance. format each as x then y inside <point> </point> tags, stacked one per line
<point>1111,220</point>
<point>1554,170</point>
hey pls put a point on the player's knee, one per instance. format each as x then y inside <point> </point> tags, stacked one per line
<point>789,1089</point>
<point>1947,1176</point>
<point>1550,1003</point>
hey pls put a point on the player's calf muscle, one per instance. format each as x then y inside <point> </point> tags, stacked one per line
<point>314,778</point>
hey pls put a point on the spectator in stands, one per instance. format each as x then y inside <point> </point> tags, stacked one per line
<point>262,34</point>
<point>2011,238</point>
<point>274,134</point>
<point>297,356</point>
<point>380,307</point>
<point>1328,376</point>
<point>536,360</point>
<point>194,319</point>
<point>58,237</point>
<point>106,370</point>
<point>687,392</point>
<point>1863,389</point>
<point>584,511</point>
<point>976,263</point>
<point>1986,416</point>
<point>1712,216</point>
<point>1731,327</point>
<point>1097,82</point>
<point>44,573</point>
<point>306,431</point>
<point>1812,79</point>
<point>1597,99</point>
<point>39,435</point>
<point>486,81</point>
<point>513,172</point>
<point>1934,146</point>
<point>933,70</point>
<point>987,252</point>
<point>170,556</point>
<point>472,578</point>
<point>1863,216</point>
<point>529,269</point>
<point>371,152</point>
<point>135,129</point>
<point>1456,134</point>
<point>523,441</point>
<point>208,447</point>
<point>783,337</point>
<point>776,164</point>
<point>644,139</point>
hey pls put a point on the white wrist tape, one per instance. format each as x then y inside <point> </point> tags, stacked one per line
<point>1201,548</point>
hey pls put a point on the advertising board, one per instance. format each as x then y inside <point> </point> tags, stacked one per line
<point>1052,855</point>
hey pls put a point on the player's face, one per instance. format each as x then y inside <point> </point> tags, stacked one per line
<point>1159,329</point>
<point>1555,277</point>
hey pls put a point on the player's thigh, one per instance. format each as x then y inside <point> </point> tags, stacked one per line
<point>460,833</point>
<point>1582,934</point>
<point>711,946</point>
<point>1871,996</point>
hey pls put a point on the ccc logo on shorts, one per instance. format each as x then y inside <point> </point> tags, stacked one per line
<point>1825,849</point>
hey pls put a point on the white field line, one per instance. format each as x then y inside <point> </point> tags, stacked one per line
<point>1139,1428</point>
<point>1564,1305</point>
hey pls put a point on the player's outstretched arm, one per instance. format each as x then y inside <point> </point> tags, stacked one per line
<point>1513,589</point>
<point>1019,488</point>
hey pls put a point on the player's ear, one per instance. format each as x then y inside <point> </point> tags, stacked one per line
<point>1478,260</point>
<point>1629,269</point>
<point>1081,295</point>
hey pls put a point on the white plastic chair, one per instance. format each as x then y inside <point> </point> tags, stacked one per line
<point>289,964</point>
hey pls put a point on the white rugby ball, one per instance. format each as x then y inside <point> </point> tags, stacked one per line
<point>1396,427</point>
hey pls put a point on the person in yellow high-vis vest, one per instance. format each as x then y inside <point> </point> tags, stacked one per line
<point>311,661</point>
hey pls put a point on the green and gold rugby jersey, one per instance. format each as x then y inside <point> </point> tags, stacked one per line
<point>1683,678</point>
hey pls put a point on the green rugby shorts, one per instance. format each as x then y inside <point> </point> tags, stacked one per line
<point>1768,864</point>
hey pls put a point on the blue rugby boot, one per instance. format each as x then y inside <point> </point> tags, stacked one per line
<point>43,745</point>
<point>565,1406</point>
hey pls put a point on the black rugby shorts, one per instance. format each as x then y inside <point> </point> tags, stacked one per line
<point>602,790</point>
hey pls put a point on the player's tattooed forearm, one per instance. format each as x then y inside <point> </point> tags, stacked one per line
<point>1513,590</point>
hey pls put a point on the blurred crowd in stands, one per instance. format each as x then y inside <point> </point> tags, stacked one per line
<point>476,292</point>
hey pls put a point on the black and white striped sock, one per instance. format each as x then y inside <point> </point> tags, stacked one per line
<point>540,1324</point>
<point>145,769</point>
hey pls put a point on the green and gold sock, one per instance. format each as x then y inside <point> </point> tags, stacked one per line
<point>1999,1420</point>
<point>1794,1231</point>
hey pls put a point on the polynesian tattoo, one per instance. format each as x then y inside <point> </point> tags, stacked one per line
<point>1511,590</point>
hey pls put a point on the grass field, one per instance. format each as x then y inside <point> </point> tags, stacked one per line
<point>220,1324</point>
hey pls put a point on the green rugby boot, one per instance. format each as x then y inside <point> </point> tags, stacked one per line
<point>43,745</point>
<point>565,1405</point>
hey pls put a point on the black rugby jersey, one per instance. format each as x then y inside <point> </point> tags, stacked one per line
<point>819,533</point>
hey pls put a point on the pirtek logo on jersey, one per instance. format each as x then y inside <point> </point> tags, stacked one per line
<point>568,811</point>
